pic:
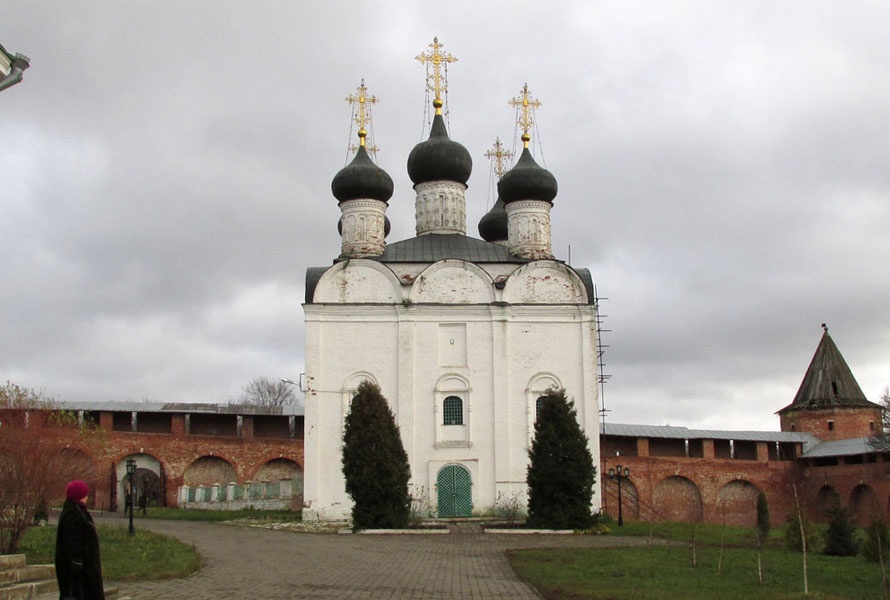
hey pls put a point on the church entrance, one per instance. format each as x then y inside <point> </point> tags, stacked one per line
<point>455,492</point>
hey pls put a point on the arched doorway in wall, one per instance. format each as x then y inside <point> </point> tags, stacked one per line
<point>737,503</point>
<point>283,468</point>
<point>454,492</point>
<point>827,500</point>
<point>677,498</point>
<point>147,482</point>
<point>864,504</point>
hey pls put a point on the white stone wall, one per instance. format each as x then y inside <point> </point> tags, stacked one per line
<point>440,207</point>
<point>446,331</point>
<point>362,224</point>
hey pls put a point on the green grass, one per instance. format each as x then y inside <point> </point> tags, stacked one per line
<point>661,572</point>
<point>145,556</point>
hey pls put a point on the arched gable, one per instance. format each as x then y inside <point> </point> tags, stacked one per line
<point>358,280</point>
<point>544,282</point>
<point>453,281</point>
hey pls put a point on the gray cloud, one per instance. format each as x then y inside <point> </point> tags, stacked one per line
<point>722,172</point>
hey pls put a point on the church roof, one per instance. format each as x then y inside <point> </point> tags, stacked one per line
<point>828,382</point>
<point>436,247</point>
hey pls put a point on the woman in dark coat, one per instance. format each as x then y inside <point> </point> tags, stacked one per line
<point>78,568</point>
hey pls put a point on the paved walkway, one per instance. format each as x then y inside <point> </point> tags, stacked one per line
<point>249,563</point>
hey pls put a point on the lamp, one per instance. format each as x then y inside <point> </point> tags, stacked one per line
<point>616,474</point>
<point>131,471</point>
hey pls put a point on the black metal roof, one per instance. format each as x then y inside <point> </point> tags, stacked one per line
<point>828,382</point>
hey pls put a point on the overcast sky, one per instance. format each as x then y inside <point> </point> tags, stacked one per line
<point>723,168</point>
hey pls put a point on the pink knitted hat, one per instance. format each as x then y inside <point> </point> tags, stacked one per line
<point>77,490</point>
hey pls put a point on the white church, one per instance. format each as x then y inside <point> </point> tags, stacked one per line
<point>461,334</point>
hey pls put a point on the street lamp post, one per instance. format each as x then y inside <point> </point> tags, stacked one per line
<point>131,471</point>
<point>617,474</point>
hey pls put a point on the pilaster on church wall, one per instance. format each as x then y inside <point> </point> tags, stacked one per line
<point>440,207</point>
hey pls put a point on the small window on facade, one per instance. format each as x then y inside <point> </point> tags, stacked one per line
<point>871,425</point>
<point>831,426</point>
<point>834,388</point>
<point>538,403</point>
<point>453,411</point>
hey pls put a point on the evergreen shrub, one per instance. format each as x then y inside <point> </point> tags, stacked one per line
<point>561,472</point>
<point>375,464</point>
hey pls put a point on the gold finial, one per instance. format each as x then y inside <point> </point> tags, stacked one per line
<point>362,114</point>
<point>436,63</point>
<point>499,157</point>
<point>525,106</point>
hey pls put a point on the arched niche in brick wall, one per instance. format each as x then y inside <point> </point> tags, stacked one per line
<point>208,470</point>
<point>677,498</point>
<point>737,503</point>
<point>827,500</point>
<point>864,504</point>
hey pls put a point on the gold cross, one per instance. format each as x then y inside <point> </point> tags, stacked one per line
<point>437,81</point>
<point>525,106</point>
<point>499,157</point>
<point>363,112</point>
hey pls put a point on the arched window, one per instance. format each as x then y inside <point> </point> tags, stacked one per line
<point>538,404</point>
<point>453,411</point>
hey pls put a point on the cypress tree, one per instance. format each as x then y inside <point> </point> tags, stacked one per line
<point>375,464</point>
<point>561,472</point>
<point>763,524</point>
<point>839,537</point>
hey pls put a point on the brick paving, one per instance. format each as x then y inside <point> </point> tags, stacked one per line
<point>252,563</point>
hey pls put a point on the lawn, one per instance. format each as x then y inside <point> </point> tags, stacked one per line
<point>662,572</point>
<point>144,556</point>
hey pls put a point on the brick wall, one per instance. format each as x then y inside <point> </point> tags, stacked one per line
<point>203,458</point>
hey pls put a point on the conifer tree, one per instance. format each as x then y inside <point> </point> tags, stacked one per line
<point>375,464</point>
<point>762,529</point>
<point>839,537</point>
<point>561,472</point>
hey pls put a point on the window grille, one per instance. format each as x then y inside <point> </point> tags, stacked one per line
<point>453,411</point>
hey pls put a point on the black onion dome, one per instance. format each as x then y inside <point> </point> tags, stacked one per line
<point>439,158</point>
<point>493,225</point>
<point>362,179</point>
<point>527,180</point>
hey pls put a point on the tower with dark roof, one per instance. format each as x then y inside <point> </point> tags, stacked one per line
<point>829,402</point>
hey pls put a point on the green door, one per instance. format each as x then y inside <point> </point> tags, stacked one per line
<point>455,492</point>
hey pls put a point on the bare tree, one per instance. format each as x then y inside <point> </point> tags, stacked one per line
<point>263,391</point>
<point>881,441</point>
<point>33,470</point>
